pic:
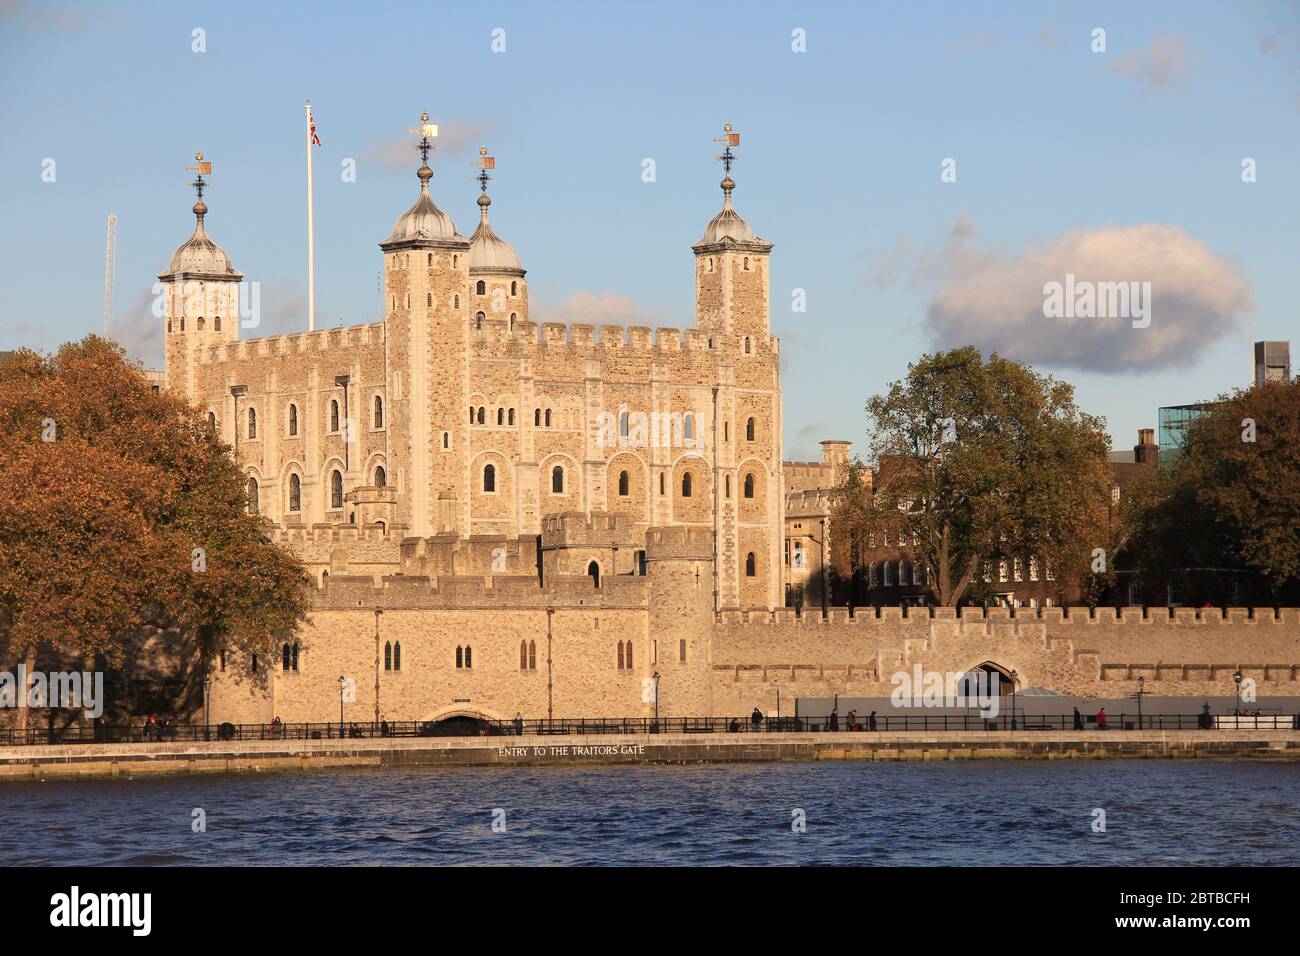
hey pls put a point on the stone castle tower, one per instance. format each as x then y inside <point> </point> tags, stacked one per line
<point>457,415</point>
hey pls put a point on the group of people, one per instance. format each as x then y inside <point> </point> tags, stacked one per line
<point>1100,719</point>
<point>833,721</point>
<point>155,729</point>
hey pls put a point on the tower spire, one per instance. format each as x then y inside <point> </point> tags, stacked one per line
<point>728,139</point>
<point>427,132</point>
<point>199,168</point>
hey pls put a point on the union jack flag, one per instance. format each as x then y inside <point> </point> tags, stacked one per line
<point>315,140</point>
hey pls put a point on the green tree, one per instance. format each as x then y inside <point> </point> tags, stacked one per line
<point>979,460</point>
<point>112,488</point>
<point>1231,499</point>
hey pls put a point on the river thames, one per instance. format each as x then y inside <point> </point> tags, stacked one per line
<point>962,813</point>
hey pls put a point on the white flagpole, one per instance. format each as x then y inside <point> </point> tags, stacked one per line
<point>311,248</point>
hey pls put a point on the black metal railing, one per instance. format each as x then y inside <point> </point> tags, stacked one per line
<point>588,726</point>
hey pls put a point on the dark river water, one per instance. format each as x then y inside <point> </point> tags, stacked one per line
<point>967,813</point>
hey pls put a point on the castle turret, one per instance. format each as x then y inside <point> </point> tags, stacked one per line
<point>679,562</point>
<point>426,273</point>
<point>498,289</point>
<point>200,296</point>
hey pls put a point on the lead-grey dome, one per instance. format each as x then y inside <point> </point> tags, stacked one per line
<point>199,255</point>
<point>424,220</point>
<point>488,252</point>
<point>729,226</point>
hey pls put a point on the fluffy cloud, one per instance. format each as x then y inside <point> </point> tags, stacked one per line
<point>996,301</point>
<point>454,139</point>
<point>600,308</point>
<point>1165,62</point>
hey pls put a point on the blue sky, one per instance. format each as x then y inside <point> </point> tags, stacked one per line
<point>840,168</point>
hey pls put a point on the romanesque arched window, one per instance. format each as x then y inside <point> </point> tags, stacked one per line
<point>478,320</point>
<point>746,263</point>
<point>627,655</point>
<point>686,485</point>
<point>482,414</point>
<point>212,420</point>
<point>295,655</point>
<point>379,412</point>
<point>489,478</point>
<point>623,483</point>
<point>252,496</point>
<point>749,486</point>
<point>182,323</point>
<point>201,323</point>
<point>286,658</point>
<point>537,418</point>
<point>397,656</point>
<point>514,288</point>
<point>169,325</point>
<point>557,480</point>
<point>749,430</point>
<point>293,420</point>
<point>216,324</point>
<point>469,656</point>
<point>523,655</point>
<point>532,655</point>
<point>751,565</point>
<point>623,425</point>
<point>728,485</point>
<point>593,570</point>
<point>295,493</point>
<point>334,415</point>
<point>547,418</point>
<point>428,299</point>
<point>480,289</point>
<point>336,489</point>
<point>252,424</point>
<point>446,440</point>
<point>381,477</point>
<point>388,656</point>
<point>460,656</point>
<point>501,417</point>
<point>471,414</point>
<point>455,302</point>
<point>746,344</point>
<point>510,417</point>
<point>620,655</point>
<point>688,427</point>
<point>663,483</point>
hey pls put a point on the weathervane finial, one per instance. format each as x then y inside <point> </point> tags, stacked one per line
<point>199,168</point>
<point>427,132</point>
<point>483,164</point>
<point>728,139</point>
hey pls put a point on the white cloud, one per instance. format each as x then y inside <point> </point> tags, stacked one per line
<point>600,308</point>
<point>1164,63</point>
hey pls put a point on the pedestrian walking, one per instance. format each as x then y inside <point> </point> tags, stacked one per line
<point>756,718</point>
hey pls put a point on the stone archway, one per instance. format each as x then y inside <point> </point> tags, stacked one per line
<point>986,672</point>
<point>457,721</point>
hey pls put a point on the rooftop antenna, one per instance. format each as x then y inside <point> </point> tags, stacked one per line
<point>110,266</point>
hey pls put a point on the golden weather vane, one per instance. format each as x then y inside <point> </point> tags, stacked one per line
<point>427,132</point>
<point>483,164</point>
<point>728,139</point>
<point>200,168</point>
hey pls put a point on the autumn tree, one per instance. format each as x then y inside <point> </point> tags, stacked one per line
<point>1229,503</point>
<point>125,512</point>
<point>977,460</point>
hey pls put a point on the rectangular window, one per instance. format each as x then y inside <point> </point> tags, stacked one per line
<point>681,650</point>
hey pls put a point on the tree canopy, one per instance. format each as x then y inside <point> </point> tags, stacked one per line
<point>980,459</point>
<point>111,487</point>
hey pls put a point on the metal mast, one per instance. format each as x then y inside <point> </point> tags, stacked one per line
<point>109,270</point>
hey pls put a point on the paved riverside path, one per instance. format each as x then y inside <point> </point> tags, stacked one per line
<point>148,759</point>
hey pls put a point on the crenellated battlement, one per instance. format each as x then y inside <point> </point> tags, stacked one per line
<point>583,337</point>
<point>1079,617</point>
<point>577,529</point>
<point>679,543</point>
<point>293,344</point>
<point>481,592</point>
<point>325,533</point>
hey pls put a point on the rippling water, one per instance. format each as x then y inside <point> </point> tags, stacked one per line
<point>976,812</point>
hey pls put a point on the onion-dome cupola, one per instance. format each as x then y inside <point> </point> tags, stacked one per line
<point>728,229</point>
<point>199,257</point>
<point>488,252</point>
<point>424,223</point>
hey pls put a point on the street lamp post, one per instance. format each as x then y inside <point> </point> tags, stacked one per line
<point>378,612</point>
<point>1236,677</point>
<point>1014,684</point>
<point>207,706</point>
<point>342,682</point>
<point>1141,683</point>
<point>655,675</point>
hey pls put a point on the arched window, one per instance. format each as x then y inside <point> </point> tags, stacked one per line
<point>379,412</point>
<point>501,417</point>
<point>388,656</point>
<point>746,263</point>
<point>547,417</point>
<point>627,655</point>
<point>622,424</point>
<point>728,484</point>
<point>489,478</point>
<point>334,415</point>
<point>663,483</point>
<point>212,420</point>
<point>252,496</point>
<point>252,424</point>
<point>286,658</point>
<point>471,414</point>
<point>460,656</point>
<point>557,480</point>
<point>482,415</point>
<point>200,323</point>
<point>480,289</point>
<point>169,325</point>
<point>746,344</point>
<point>593,570</point>
<point>523,655</point>
<point>293,420</point>
<point>620,655</point>
<point>749,430</point>
<point>532,655</point>
<point>749,486</point>
<point>430,262</point>
<point>455,302</point>
<point>295,655</point>
<point>381,477</point>
<point>623,483</point>
<point>510,417</point>
<point>446,439</point>
<point>295,493</point>
<point>686,485</point>
<point>182,323</point>
<point>397,656</point>
<point>514,288</point>
<point>428,299</point>
<point>216,324</point>
<point>688,427</point>
<point>336,489</point>
<point>478,320</point>
<point>537,418</point>
<point>512,321</point>
<point>469,656</point>
<point>751,566</point>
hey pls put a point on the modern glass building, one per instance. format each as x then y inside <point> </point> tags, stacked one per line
<point>1173,422</point>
